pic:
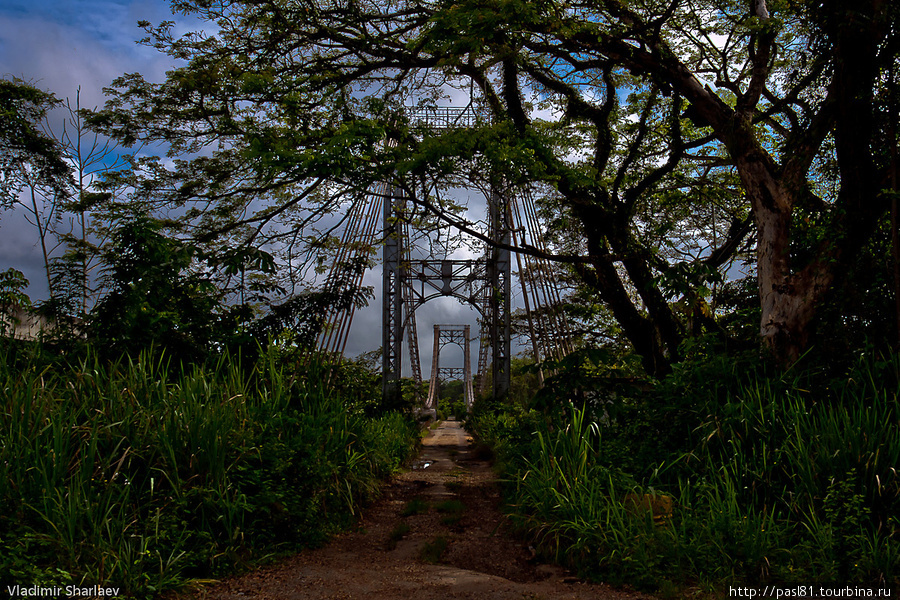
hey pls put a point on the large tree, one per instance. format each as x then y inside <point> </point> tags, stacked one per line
<point>635,117</point>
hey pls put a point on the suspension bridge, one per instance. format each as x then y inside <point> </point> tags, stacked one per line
<point>485,283</point>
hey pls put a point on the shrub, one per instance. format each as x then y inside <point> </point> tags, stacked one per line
<point>775,477</point>
<point>145,476</point>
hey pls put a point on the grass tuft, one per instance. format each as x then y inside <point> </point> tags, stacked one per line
<point>774,480</point>
<point>416,506</point>
<point>433,551</point>
<point>397,534</point>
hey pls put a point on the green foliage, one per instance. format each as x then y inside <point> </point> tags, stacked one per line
<point>523,381</point>
<point>452,400</point>
<point>12,296</point>
<point>770,476</point>
<point>433,551</point>
<point>508,430</point>
<point>861,311</point>
<point>12,289</point>
<point>588,377</point>
<point>163,293</point>
<point>145,475</point>
<point>155,299</point>
<point>26,152</point>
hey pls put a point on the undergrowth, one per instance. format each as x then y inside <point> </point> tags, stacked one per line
<point>144,477</point>
<point>724,473</point>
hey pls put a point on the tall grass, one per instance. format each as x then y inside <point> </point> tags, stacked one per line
<point>777,483</point>
<point>142,477</point>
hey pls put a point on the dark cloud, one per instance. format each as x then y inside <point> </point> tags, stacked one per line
<point>61,46</point>
<point>64,45</point>
<point>20,249</point>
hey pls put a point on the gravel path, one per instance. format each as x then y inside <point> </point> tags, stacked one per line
<point>455,547</point>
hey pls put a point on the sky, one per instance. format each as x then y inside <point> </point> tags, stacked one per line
<point>61,46</point>
<point>64,45</point>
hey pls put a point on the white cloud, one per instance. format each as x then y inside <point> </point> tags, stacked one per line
<point>62,58</point>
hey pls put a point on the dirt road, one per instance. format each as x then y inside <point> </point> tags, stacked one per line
<point>436,534</point>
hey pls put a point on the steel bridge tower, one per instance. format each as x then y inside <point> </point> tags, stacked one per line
<point>443,335</point>
<point>407,284</point>
<point>484,283</point>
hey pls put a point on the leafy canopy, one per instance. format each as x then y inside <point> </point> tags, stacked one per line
<point>656,135</point>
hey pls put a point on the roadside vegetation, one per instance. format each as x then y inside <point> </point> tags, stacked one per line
<point>146,476</point>
<point>715,184</point>
<point>727,471</point>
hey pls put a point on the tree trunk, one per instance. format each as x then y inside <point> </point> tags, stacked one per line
<point>788,298</point>
<point>639,330</point>
<point>604,278</point>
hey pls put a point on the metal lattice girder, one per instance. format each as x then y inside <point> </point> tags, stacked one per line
<point>498,271</point>
<point>447,117</point>
<point>467,372</point>
<point>392,300</point>
<point>412,333</point>
<point>434,383</point>
<point>484,350</point>
<point>463,279</point>
<point>451,373</point>
<point>484,283</point>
